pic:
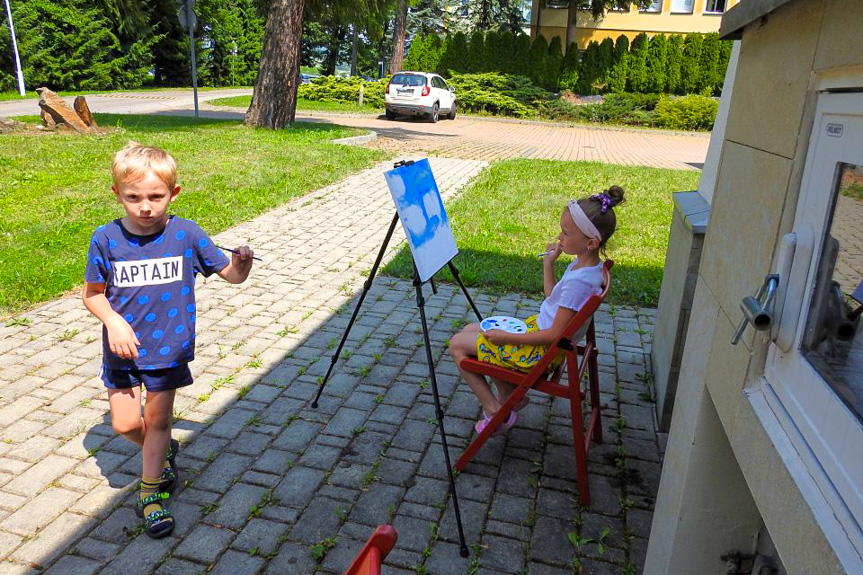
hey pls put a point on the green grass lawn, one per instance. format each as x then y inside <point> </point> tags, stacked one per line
<point>513,209</point>
<point>303,104</point>
<point>31,94</point>
<point>56,188</point>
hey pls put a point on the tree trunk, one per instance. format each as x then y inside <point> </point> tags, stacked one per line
<point>571,14</point>
<point>335,46</point>
<point>274,100</point>
<point>399,38</point>
<point>355,45</point>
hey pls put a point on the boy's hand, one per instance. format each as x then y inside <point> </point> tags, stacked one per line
<point>241,259</point>
<point>555,250</point>
<point>121,338</point>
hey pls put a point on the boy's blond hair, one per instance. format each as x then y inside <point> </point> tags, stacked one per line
<point>135,161</point>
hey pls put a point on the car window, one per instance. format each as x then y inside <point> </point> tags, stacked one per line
<point>442,83</point>
<point>408,80</point>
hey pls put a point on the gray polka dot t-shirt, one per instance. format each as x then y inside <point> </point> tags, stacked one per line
<point>150,281</point>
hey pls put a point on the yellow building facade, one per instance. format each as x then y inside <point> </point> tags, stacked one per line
<point>662,17</point>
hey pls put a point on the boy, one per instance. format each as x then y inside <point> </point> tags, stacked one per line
<point>140,282</point>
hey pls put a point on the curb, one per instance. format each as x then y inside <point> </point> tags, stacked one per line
<point>357,140</point>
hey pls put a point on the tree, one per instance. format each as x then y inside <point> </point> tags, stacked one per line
<point>709,64</point>
<point>454,54</point>
<point>554,64</point>
<point>689,66</point>
<point>399,37</point>
<point>605,59</point>
<point>231,35</point>
<point>538,61</point>
<point>637,78</point>
<point>620,69</point>
<point>673,62</point>
<point>521,57</point>
<point>482,15</point>
<point>416,55</point>
<point>476,53</point>
<point>432,53</point>
<point>506,58</point>
<point>569,74</point>
<point>492,53</point>
<point>656,63</point>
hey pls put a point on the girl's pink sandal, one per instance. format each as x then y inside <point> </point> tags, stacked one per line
<point>502,428</point>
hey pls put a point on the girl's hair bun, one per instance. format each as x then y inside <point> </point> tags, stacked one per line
<point>616,195</point>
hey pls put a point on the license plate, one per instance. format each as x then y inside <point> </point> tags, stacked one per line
<point>405,91</point>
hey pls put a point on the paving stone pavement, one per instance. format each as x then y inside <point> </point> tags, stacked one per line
<point>272,486</point>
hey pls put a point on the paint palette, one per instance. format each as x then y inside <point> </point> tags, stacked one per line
<point>502,322</point>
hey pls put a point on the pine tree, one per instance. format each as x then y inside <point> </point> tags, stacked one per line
<point>590,71</point>
<point>606,61</point>
<point>554,64</point>
<point>521,57</point>
<point>460,52</point>
<point>538,61</point>
<point>232,31</point>
<point>689,66</point>
<point>620,69</point>
<point>657,52</point>
<point>171,56</point>
<point>673,62</point>
<point>431,54</point>
<point>637,79</point>
<point>507,51</point>
<point>416,55</point>
<point>491,51</point>
<point>476,53</point>
<point>569,73</point>
<point>709,64</point>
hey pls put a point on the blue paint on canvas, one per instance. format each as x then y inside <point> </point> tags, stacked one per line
<point>421,210</point>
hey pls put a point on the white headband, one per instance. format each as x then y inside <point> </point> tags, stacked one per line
<point>583,222</point>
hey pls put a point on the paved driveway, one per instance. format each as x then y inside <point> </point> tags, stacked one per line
<point>266,478</point>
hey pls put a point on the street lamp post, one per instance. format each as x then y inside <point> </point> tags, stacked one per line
<point>15,49</point>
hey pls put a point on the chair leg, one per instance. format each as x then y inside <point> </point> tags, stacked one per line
<point>578,438</point>
<point>595,431</point>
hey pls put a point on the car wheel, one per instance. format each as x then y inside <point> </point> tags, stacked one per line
<point>435,113</point>
<point>391,115</point>
<point>452,112</point>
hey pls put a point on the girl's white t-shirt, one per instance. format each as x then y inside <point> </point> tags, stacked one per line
<point>571,292</point>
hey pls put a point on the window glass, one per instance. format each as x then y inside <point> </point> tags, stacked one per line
<point>408,80</point>
<point>833,342</point>
<point>655,7</point>
<point>717,6</point>
<point>681,6</point>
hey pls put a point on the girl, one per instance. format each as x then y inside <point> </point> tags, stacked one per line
<point>585,227</point>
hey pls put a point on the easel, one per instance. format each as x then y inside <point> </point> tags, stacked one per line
<point>421,305</point>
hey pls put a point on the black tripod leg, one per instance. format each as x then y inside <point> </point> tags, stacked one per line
<point>438,411</point>
<point>454,273</point>
<point>366,287</point>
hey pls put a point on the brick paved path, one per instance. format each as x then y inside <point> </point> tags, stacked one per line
<point>267,478</point>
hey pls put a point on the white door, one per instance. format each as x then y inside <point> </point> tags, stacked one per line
<point>815,370</point>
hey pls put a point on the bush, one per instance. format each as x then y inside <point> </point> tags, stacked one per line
<point>345,90</point>
<point>693,112</point>
<point>496,93</point>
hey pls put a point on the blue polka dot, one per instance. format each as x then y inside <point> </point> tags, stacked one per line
<point>165,350</point>
<point>179,329</point>
<point>150,317</point>
<point>172,312</point>
<point>174,364</point>
<point>202,243</point>
<point>159,240</point>
<point>167,255</point>
<point>192,319</point>
<point>142,352</point>
<point>123,299</point>
<point>185,345</point>
<point>138,335</point>
<point>190,308</point>
<point>180,234</point>
<point>157,334</point>
<point>134,243</point>
<point>97,261</point>
<point>188,253</point>
<point>166,296</point>
<point>129,317</point>
<point>112,244</point>
<point>147,367</point>
<point>108,265</point>
<point>185,290</point>
<point>207,262</point>
<point>143,299</point>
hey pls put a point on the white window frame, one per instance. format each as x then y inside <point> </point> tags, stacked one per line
<point>675,10</point>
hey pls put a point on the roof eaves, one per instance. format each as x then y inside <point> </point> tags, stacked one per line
<point>744,14</point>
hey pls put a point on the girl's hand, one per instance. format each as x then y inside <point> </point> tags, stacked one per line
<point>496,336</point>
<point>121,338</point>
<point>555,250</point>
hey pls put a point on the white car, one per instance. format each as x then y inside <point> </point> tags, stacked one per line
<point>419,94</point>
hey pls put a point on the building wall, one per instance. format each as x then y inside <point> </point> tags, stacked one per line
<point>782,62</point>
<point>552,22</point>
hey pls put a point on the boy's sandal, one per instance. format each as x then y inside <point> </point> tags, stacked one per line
<point>170,474</point>
<point>502,428</point>
<point>159,523</point>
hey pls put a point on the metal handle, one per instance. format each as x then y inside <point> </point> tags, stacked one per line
<point>758,310</point>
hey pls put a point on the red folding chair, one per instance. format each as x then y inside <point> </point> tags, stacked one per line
<point>368,560</point>
<point>539,379</point>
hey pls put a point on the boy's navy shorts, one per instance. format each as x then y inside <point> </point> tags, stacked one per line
<point>153,379</point>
